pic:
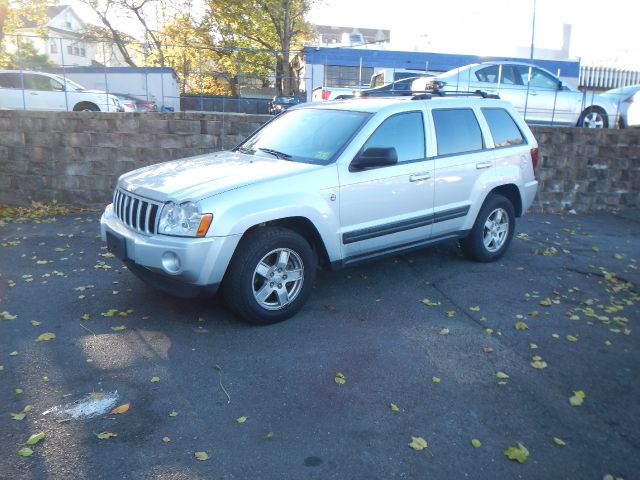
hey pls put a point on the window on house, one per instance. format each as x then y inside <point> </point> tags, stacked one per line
<point>76,51</point>
<point>67,24</point>
<point>53,47</point>
<point>83,52</point>
<point>69,49</point>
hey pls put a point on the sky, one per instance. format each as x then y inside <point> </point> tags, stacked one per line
<point>601,31</point>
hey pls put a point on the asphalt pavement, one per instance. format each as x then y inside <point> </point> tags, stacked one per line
<point>539,349</point>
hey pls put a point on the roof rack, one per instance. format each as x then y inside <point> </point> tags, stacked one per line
<point>429,94</point>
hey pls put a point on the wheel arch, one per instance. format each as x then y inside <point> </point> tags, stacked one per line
<point>80,105</point>
<point>593,108</point>
<point>303,227</point>
<point>512,193</point>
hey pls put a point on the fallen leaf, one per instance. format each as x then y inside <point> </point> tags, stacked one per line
<point>487,349</point>
<point>45,337</point>
<point>202,456</point>
<point>538,363</point>
<point>106,435</point>
<point>119,328</point>
<point>242,419</point>
<point>595,249</point>
<point>502,375</point>
<point>546,302</point>
<point>35,438</point>
<point>435,379</point>
<point>577,399</point>
<point>7,316</point>
<point>18,391</point>
<point>571,338</point>
<point>269,436</point>
<point>429,303</point>
<point>155,379</point>
<point>521,326</point>
<point>35,323</point>
<point>476,443</point>
<point>474,309</point>
<point>451,313</point>
<point>393,407</point>
<point>25,452</point>
<point>18,416</point>
<point>86,316</point>
<point>13,354</point>
<point>533,346</point>
<point>166,439</point>
<point>518,453</point>
<point>444,331</point>
<point>120,409</point>
<point>340,379</point>
<point>558,441</point>
<point>555,335</point>
<point>173,414</point>
<point>418,443</point>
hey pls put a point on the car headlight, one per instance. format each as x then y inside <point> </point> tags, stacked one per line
<point>184,220</point>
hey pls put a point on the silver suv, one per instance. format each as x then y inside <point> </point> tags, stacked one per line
<point>325,184</point>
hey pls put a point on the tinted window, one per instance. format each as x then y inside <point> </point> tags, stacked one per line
<point>503,128</point>
<point>404,132</point>
<point>457,131</point>
<point>41,82</point>
<point>538,79</point>
<point>10,80</point>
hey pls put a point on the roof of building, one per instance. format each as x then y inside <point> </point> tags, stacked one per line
<point>333,34</point>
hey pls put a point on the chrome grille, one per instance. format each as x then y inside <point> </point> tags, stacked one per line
<point>135,212</point>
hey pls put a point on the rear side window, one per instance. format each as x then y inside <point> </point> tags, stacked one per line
<point>404,132</point>
<point>10,80</point>
<point>504,130</point>
<point>457,131</point>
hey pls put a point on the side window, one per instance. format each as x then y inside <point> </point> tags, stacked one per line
<point>488,74</point>
<point>503,128</point>
<point>10,80</point>
<point>538,78</point>
<point>457,131</point>
<point>404,132</point>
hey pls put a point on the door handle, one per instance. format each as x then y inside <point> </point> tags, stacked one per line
<point>417,177</point>
<point>33,93</point>
<point>481,165</point>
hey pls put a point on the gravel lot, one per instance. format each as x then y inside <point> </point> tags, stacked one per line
<point>189,371</point>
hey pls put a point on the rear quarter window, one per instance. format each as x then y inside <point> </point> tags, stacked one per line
<point>457,131</point>
<point>504,130</point>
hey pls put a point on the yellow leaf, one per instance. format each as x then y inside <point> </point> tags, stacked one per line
<point>418,443</point>
<point>576,400</point>
<point>571,338</point>
<point>340,379</point>
<point>580,394</point>
<point>25,452</point>
<point>18,391</point>
<point>393,407</point>
<point>106,435</point>
<point>242,419</point>
<point>534,313</point>
<point>451,313</point>
<point>202,456</point>
<point>555,335</point>
<point>269,436</point>
<point>521,326</point>
<point>166,439</point>
<point>518,453</point>
<point>155,379</point>
<point>119,328</point>
<point>546,302</point>
<point>533,346</point>
<point>35,438</point>
<point>7,316</point>
<point>429,303</point>
<point>1,367</point>
<point>18,416</point>
<point>595,249</point>
<point>173,414</point>
<point>476,443</point>
<point>574,317</point>
<point>86,316</point>
<point>120,409</point>
<point>35,323</point>
<point>13,354</point>
<point>540,364</point>
<point>46,336</point>
<point>474,309</point>
<point>502,375</point>
<point>558,441</point>
<point>444,331</point>
<point>435,379</point>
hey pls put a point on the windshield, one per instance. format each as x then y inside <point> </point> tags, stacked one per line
<point>306,135</point>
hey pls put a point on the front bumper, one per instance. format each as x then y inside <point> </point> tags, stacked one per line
<point>180,266</point>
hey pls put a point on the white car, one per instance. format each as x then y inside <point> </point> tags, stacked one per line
<point>23,90</point>
<point>538,95</point>
<point>330,184</point>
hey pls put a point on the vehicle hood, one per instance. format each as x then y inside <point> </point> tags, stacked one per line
<point>195,178</point>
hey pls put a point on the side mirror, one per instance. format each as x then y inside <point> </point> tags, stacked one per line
<point>374,157</point>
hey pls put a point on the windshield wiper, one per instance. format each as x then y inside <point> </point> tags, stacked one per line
<point>244,150</point>
<point>276,153</point>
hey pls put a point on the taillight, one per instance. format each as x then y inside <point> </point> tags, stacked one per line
<point>326,94</point>
<point>534,159</point>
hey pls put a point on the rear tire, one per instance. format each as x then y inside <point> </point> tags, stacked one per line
<point>270,275</point>
<point>593,117</point>
<point>492,231</point>
<point>86,107</point>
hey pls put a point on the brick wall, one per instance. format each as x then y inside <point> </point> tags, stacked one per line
<point>76,157</point>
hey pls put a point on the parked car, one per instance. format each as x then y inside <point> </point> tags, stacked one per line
<point>328,184</point>
<point>627,99</point>
<point>280,103</point>
<point>399,87</point>
<point>22,90</point>
<point>130,103</point>
<point>539,96</point>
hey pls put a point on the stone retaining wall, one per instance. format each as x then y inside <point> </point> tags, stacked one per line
<point>76,157</point>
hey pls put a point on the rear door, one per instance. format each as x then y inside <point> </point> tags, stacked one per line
<point>460,158</point>
<point>43,92</point>
<point>11,92</point>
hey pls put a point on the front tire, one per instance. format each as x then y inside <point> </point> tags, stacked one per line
<point>593,117</point>
<point>492,231</point>
<point>86,107</point>
<point>270,276</point>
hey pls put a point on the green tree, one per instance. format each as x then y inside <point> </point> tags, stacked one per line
<point>278,26</point>
<point>15,14</point>
<point>27,57</point>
